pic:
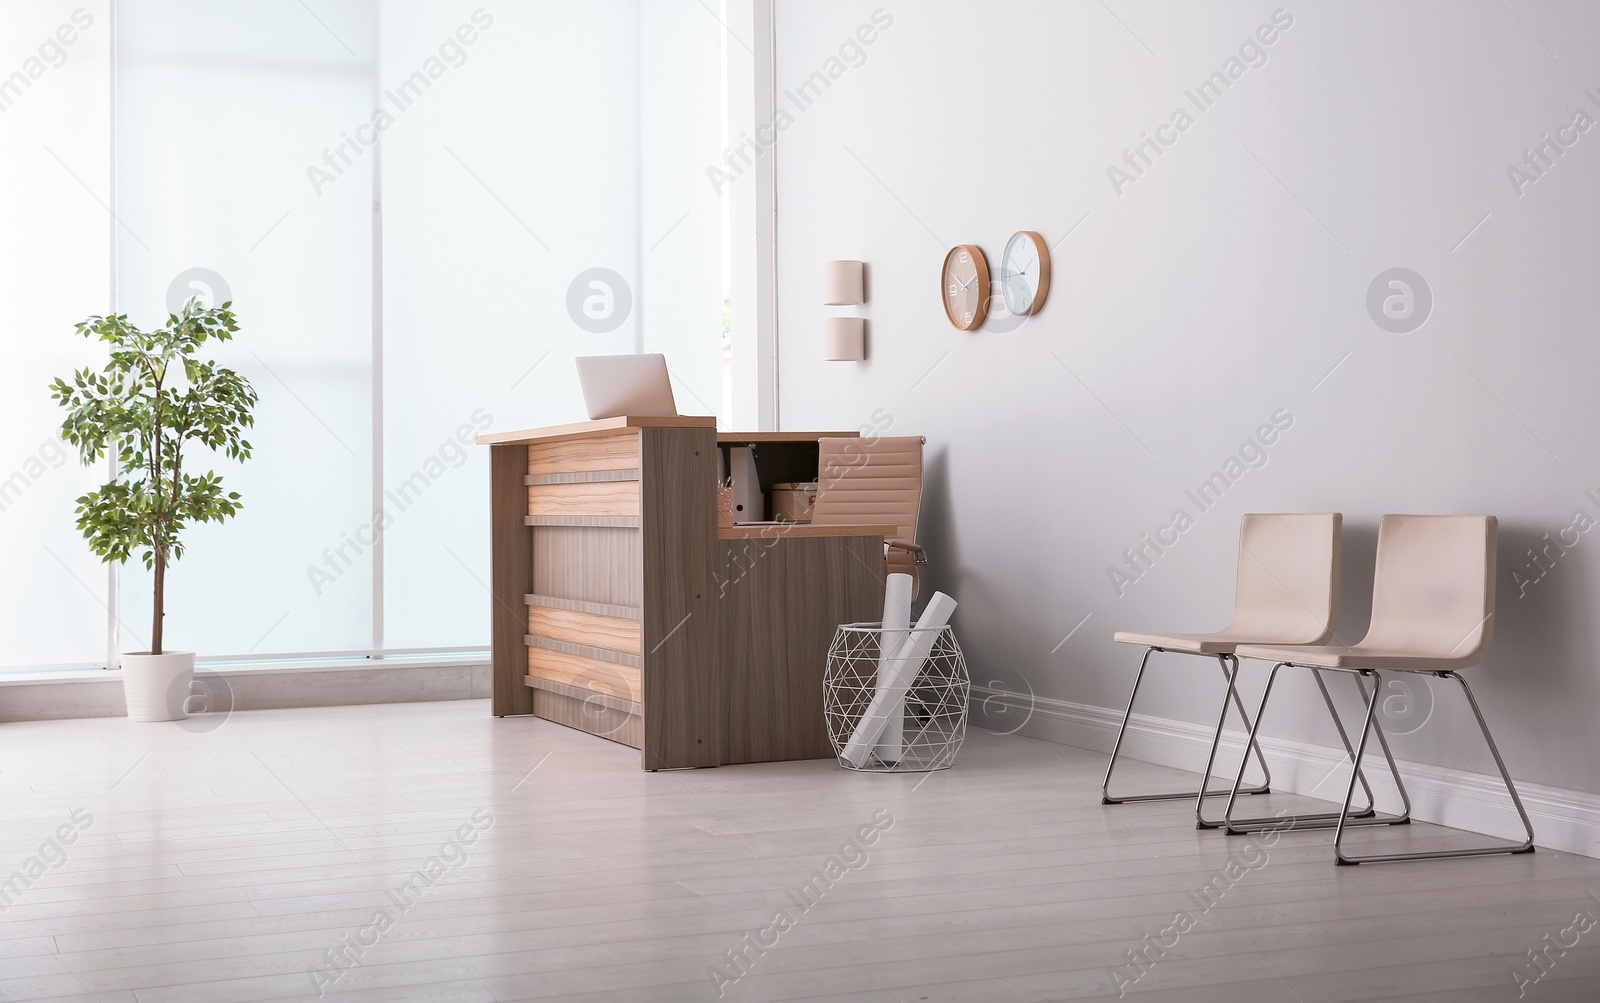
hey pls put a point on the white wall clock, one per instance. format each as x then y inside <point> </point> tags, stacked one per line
<point>1025,273</point>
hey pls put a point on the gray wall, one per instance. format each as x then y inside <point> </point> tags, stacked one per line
<point>1227,282</point>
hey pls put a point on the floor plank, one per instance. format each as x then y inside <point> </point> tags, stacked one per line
<point>251,863</point>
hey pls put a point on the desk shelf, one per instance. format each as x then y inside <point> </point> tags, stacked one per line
<point>797,531</point>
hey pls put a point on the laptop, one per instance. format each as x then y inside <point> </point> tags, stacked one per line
<point>615,386</point>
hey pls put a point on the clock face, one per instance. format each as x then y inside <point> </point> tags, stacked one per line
<point>1025,273</point>
<point>966,287</point>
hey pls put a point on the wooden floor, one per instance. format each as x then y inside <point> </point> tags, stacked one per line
<point>234,864</point>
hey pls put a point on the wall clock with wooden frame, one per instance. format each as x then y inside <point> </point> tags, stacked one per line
<point>1025,273</point>
<point>964,287</point>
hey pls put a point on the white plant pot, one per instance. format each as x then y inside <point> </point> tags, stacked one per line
<point>156,686</point>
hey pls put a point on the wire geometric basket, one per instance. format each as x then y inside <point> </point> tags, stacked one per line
<point>935,714</point>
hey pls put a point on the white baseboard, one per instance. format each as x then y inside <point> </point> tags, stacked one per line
<point>98,693</point>
<point>1563,820</point>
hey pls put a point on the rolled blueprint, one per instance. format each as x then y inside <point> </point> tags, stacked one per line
<point>896,621</point>
<point>902,671</point>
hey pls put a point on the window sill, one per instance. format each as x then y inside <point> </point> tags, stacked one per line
<point>33,677</point>
<point>266,685</point>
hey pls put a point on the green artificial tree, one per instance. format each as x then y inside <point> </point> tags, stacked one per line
<point>155,398</point>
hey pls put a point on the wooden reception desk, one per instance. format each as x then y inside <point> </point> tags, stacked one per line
<point>620,609</point>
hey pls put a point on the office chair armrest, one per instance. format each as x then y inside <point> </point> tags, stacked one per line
<point>921,555</point>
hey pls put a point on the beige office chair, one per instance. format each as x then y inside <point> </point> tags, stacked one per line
<point>1432,612</point>
<point>874,481</point>
<point>1287,586</point>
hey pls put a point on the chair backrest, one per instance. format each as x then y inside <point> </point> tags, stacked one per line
<point>1433,587</point>
<point>1287,589</point>
<point>872,481</point>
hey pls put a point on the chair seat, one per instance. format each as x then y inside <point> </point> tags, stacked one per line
<point>1218,643</point>
<point>1356,656</point>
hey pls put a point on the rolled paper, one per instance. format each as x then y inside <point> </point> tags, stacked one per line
<point>903,669</point>
<point>896,622</point>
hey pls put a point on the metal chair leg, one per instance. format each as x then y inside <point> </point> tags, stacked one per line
<point>1200,820</point>
<point>1319,820</point>
<point>1116,747</point>
<point>1344,736</point>
<point>1105,785</point>
<point>1383,742</point>
<point>1266,694</point>
<point>1526,846</point>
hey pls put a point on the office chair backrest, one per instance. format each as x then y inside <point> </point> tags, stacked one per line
<point>1433,588</point>
<point>1288,579</point>
<point>872,481</point>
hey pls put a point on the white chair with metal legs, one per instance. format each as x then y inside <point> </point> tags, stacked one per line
<point>1286,592</point>
<point>1367,815</point>
<point>1432,613</point>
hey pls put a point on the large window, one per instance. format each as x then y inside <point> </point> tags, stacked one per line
<point>422,212</point>
<point>55,164</point>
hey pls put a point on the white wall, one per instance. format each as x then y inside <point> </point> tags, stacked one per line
<point>1221,286</point>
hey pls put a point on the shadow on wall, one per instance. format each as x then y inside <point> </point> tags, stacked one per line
<point>1531,635</point>
<point>1358,544</point>
<point>1540,654</point>
<point>1538,642</point>
<point>996,637</point>
<point>934,528</point>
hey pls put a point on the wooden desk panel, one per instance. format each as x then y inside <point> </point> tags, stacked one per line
<point>781,603</point>
<point>610,678</point>
<point>587,709</point>
<point>678,499</point>
<point>586,564</point>
<point>510,573</point>
<point>586,627</point>
<point>618,451</point>
<point>584,498</point>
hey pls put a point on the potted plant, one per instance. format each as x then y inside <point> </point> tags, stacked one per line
<point>152,404</point>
